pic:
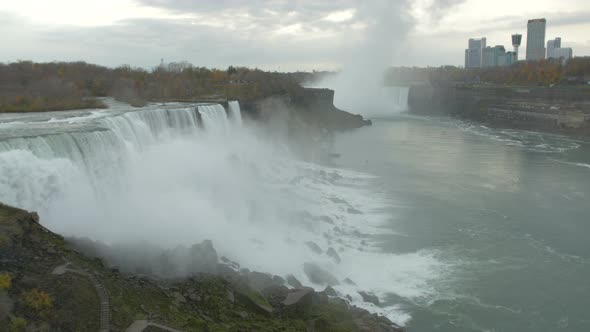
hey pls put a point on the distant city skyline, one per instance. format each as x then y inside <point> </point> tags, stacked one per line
<point>290,35</point>
<point>478,54</point>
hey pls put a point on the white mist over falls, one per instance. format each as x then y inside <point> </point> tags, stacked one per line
<point>179,174</point>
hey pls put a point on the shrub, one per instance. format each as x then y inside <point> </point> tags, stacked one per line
<point>5,280</point>
<point>38,300</point>
<point>17,324</point>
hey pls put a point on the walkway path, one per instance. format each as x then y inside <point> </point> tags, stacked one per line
<point>101,291</point>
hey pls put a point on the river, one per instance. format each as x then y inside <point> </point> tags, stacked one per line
<point>507,212</point>
<point>453,226</point>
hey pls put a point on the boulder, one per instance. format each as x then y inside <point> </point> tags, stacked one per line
<point>352,210</point>
<point>330,291</point>
<point>230,263</point>
<point>314,247</point>
<point>259,280</point>
<point>349,281</point>
<point>178,298</point>
<point>334,255</point>
<point>293,282</point>
<point>277,280</point>
<point>202,258</point>
<point>370,298</point>
<point>319,276</point>
<point>276,295</point>
<point>253,300</point>
<point>298,302</point>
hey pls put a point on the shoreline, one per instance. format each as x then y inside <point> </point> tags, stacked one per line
<point>562,111</point>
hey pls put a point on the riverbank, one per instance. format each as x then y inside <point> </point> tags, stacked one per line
<point>562,110</point>
<point>47,283</point>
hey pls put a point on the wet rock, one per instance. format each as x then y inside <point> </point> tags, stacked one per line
<point>254,301</point>
<point>259,280</point>
<point>314,247</point>
<point>370,298</point>
<point>330,291</point>
<point>349,282</point>
<point>276,295</point>
<point>359,312</point>
<point>352,210</point>
<point>349,298</point>
<point>178,298</point>
<point>319,276</point>
<point>230,296</point>
<point>278,280</point>
<point>326,219</point>
<point>298,302</point>
<point>193,295</point>
<point>202,258</point>
<point>35,217</point>
<point>293,282</point>
<point>338,200</point>
<point>334,255</point>
<point>230,263</point>
<point>226,271</point>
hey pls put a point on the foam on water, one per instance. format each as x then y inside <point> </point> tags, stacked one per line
<point>531,141</point>
<point>156,175</point>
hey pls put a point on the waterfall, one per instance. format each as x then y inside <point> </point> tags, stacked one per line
<point>398,97</point>
<point>214,118</point>
<point>38,167</point>
<point>235,113</point>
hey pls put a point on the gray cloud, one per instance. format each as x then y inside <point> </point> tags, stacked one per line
<point>290,34</point>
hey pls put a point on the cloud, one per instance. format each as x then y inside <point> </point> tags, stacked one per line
<point>290,34</point>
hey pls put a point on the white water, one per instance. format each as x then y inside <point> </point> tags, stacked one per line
<point>235,112</point>
<point>156,175</point>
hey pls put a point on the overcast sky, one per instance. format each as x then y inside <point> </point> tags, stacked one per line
<point>275,34</point>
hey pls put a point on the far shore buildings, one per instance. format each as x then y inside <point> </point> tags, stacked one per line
<point>479,55</point>
<point>535,39</point>
<point>474,53</point>
<point>555,51</point>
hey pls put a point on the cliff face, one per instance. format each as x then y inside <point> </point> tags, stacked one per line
<point>315,107</point>
<point>562,110</point>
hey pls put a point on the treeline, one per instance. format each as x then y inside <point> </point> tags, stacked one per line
<point>536,73</point>
<point>29,86</point>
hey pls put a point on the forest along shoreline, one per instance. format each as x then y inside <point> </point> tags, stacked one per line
<point>51,283</point>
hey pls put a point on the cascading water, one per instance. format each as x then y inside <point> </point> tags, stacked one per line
<point>172,176</point>
<point>235,112</point>
<point>396,98</point>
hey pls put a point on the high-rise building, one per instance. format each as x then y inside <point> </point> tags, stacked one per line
<point>563,53</point>
<point>552,44</point>
<point>555,51</point>
<point>474,53</point>
<point>516,41</point>
<point>494,56</point>
<point>535,39</point>
<point>510,58</point>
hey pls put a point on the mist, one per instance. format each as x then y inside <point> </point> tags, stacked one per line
<point>359,84</point>
<point>147,203</point>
